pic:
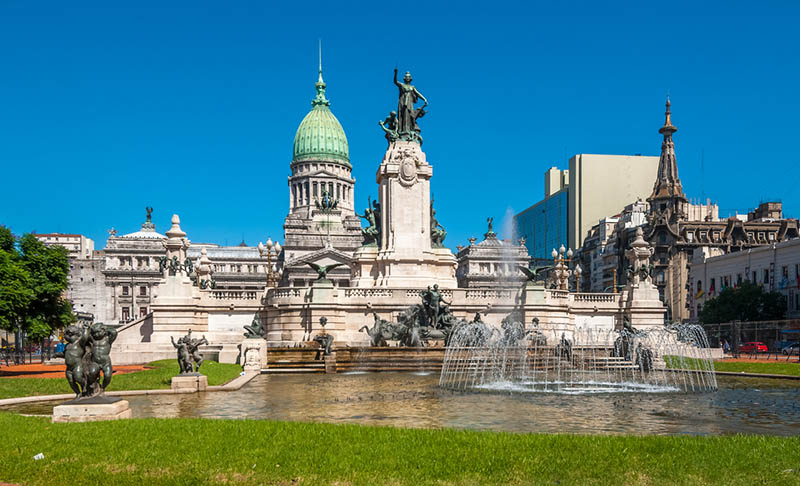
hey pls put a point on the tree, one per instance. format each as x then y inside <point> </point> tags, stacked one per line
<point>33,280</point>
<point>747,302</point>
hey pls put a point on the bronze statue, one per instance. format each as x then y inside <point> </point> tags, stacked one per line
<point>372,233</point>
<point>438,233</point>
<point>254,330</point>
<point>379,332</point>
<point>328,203</point>
<point>188,351</point>
<point>77,338</point>
<point>389,126</point>
<point>184,358</point>
<point>324,339</point>
<point>434,305</point>
<point>149,213</point>
<point>322,270</point>
<point>87,354</point>
<point>532,274</point>
<point>407,128</point>
<point>490,220</point>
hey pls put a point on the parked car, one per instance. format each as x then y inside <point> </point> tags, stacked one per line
<point>753,347</point>
<point>793,348</point>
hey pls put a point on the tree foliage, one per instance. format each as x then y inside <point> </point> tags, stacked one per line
<point>33,280</point>
<point>747,302</point>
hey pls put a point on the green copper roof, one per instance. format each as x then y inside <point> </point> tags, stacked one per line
<point>320,136</point>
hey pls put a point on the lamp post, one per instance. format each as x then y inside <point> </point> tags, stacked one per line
<point>578,272</point>
<point>271,250</point>
<point>561,271</point>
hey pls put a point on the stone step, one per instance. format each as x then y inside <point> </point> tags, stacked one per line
<point>270,371</point>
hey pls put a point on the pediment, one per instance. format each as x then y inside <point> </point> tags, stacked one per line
<point>325,256</point>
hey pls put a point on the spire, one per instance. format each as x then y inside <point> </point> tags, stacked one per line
<point>320,100</point>
<point>667,182</point>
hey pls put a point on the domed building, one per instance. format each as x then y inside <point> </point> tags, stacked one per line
<point>322,226</point>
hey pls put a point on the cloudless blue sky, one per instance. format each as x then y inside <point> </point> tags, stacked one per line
<point>192,108</point>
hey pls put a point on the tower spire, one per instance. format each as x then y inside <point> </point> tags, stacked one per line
<point>320,100</point>
<point>668,184</point>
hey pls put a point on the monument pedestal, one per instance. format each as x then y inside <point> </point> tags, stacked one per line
<point>253,355</point>
<point>330,362</point>
<point>91,410</point>
<point>189,382</point>
<point>644,306</point>
<point>404,257</point>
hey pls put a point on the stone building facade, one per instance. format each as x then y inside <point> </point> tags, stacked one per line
<point>492,263</point>
<point>675,227</point>
<point>775,267</point>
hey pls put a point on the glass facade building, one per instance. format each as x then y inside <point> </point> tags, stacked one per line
<point>544,225</point>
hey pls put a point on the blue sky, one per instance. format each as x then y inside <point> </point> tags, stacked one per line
<point>192,109</point>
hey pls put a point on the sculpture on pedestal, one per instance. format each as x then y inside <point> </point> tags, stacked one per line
<point>640,269</point>
<point>189,358</point>
<point>324,339</point>
<point>389,126</point>
<point>86,355</point>
<point>380,331</point>
<point>406,125</point>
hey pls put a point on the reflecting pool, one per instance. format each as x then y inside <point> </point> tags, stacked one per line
<point>743,405</point>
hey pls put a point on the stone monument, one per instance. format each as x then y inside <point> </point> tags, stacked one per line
<point>403,242</point>
<point>86,356</point>
<point>642,301</point>
<point>253,349</point>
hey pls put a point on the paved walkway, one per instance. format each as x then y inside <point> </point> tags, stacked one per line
<point>53,370</point>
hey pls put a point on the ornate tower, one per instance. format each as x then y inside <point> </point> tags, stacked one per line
<point>668,204</point>
<point>321,196</point>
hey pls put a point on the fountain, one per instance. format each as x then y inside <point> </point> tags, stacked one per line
<point>482,357</point>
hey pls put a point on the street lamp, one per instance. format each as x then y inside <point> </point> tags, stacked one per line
<point>271,250</point>
<point>578,272</point>
<point>561,271</point>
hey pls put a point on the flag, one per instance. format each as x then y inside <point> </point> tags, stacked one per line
<point>699,294</point>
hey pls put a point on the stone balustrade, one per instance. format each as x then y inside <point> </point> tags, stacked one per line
<point>488,294</point>
<point>235,295</point>
<point>596,297</point>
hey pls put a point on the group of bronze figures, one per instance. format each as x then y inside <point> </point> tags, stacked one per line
<point>189,358</point>
<point>87,355</point>
<point>402,124</point>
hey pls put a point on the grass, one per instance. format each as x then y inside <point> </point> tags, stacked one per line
<point>791,368</point>
<point>157,377</point>
<point>206,451</point>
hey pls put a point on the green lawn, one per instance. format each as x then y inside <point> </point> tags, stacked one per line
<point>766,367</point>
<point>205,451</point>
<point>781,367</point>
<point>157,377</point>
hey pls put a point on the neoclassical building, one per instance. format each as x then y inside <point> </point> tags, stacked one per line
<point>322,225</point>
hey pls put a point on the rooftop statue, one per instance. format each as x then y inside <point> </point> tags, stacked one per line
<point>327,203</point>
<point>490,220</point>
<point>532,274</point>
<point>406,125</point>
<point>322,270</point>
<point>87,354</point>
<point>149,213</point>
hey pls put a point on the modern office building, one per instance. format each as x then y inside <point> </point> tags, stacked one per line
<point>594,187</point>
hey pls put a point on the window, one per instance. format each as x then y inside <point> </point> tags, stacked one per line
<point>785,271</point>
<point>703,235</point>
<point>124,290</point>
<point>771,236</point>
<point>660,277</point>
<point>712,286</point>
<point>690,237</point>
<point>126,313</point>
<point>142,290</point>
<point>738,279</point>
<point>716,236</point>
<point>750,236</point>
<point>754,279</point>
<point>699,286</point>
<point>766,275</point>
<point>142,311</point>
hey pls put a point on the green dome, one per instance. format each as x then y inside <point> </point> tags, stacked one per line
<point>320,136</point>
